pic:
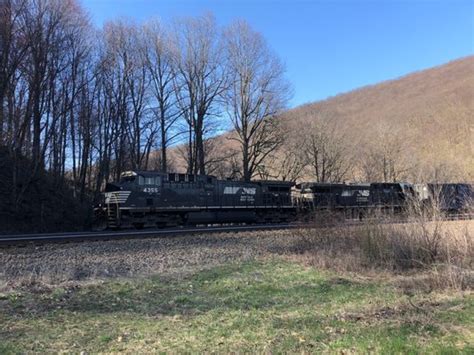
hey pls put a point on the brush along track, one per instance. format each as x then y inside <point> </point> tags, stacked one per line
<point>21,239</point>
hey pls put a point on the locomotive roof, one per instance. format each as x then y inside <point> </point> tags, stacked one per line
<point>151,173</point>
<point>140,172</point>
<point>148,173</point>
<point>401,184</point>
<point>321,184</point>
<point>274,182</point>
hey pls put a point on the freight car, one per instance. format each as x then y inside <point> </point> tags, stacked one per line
<point>142,199</point>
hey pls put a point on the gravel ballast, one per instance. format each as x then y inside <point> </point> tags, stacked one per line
<point>56,263</point>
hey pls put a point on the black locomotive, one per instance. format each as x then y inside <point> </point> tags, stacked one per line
<point>451,197</point>
<point>143,198</point>
<point>355,200</point>
<point>359,200</point>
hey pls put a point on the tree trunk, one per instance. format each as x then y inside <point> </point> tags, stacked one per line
<point>163,147</point>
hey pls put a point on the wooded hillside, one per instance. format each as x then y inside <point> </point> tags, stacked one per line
<point>418,127</point>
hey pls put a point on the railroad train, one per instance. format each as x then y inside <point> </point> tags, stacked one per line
<point>153,199</point>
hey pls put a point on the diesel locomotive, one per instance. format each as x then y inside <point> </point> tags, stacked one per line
<point>359,200</point>
<point>356,200</point>
<point>143,199</point>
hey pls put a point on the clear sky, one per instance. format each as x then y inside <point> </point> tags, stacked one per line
<point>331,47</point>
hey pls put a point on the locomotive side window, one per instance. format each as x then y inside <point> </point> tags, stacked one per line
<point>150,181</point>
<point>191,178</point>
<point>141,180</point>
<point>128,179</point>
<point>182,177</point>
<point>172,177</point>
<point>346,193</point>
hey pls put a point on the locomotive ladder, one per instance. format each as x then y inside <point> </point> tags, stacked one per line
<point>113,212</point>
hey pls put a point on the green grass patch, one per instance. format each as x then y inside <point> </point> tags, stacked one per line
<point>272,306</point>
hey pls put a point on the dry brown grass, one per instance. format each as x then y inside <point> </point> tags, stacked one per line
<point>424,255</point>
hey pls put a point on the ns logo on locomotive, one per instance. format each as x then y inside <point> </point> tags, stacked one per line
<point>150,199</point>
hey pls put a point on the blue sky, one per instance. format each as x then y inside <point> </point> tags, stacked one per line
<point>331,47</point>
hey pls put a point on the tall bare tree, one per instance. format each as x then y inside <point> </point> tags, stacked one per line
<point>160,64</point>
<point>12,51</point>
<point>127,90</point>
<point>326,151</point>
<point>257,92</point>
<point>201,80</point>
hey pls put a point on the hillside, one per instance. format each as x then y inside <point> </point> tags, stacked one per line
<point>427,115</point>
<point>420,125</point>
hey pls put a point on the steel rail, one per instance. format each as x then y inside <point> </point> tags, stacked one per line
<point>130,234</point>
<point>175,231</point>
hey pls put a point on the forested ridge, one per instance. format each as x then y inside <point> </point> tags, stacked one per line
<point>419,127</point>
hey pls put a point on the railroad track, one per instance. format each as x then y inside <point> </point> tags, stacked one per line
<point>19,239</point>
<point>130,234</point>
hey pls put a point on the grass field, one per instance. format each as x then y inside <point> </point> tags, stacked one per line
<point>269,304</point>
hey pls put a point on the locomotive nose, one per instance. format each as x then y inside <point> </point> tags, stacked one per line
<point>110,187</point>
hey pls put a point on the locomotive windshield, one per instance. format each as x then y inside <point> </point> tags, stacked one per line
<point>131,177</point>
<point>127,179</point>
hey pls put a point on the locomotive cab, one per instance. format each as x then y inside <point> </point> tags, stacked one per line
<point>140,181</point>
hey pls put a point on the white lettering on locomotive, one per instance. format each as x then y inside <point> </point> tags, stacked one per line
<point>247,198</point>
<point>151,190</point>
<point>232,190</point>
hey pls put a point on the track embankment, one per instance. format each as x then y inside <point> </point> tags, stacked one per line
<point>52,263</point>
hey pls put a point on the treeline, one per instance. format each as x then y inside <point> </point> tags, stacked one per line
<point>85,104</point>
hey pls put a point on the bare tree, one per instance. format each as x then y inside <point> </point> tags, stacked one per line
<point>385,158</point>
<point>126,84</point>
<point>326,151</point>
<point>200,81</point>
<point>290,160</point>
<point>257,92</point>
<point>12,51</point>
<point>160,64</point>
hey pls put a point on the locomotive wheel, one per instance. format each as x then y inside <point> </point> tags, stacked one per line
<point>183,220</point>
<point>138,225</point>
<point>99,225</point>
